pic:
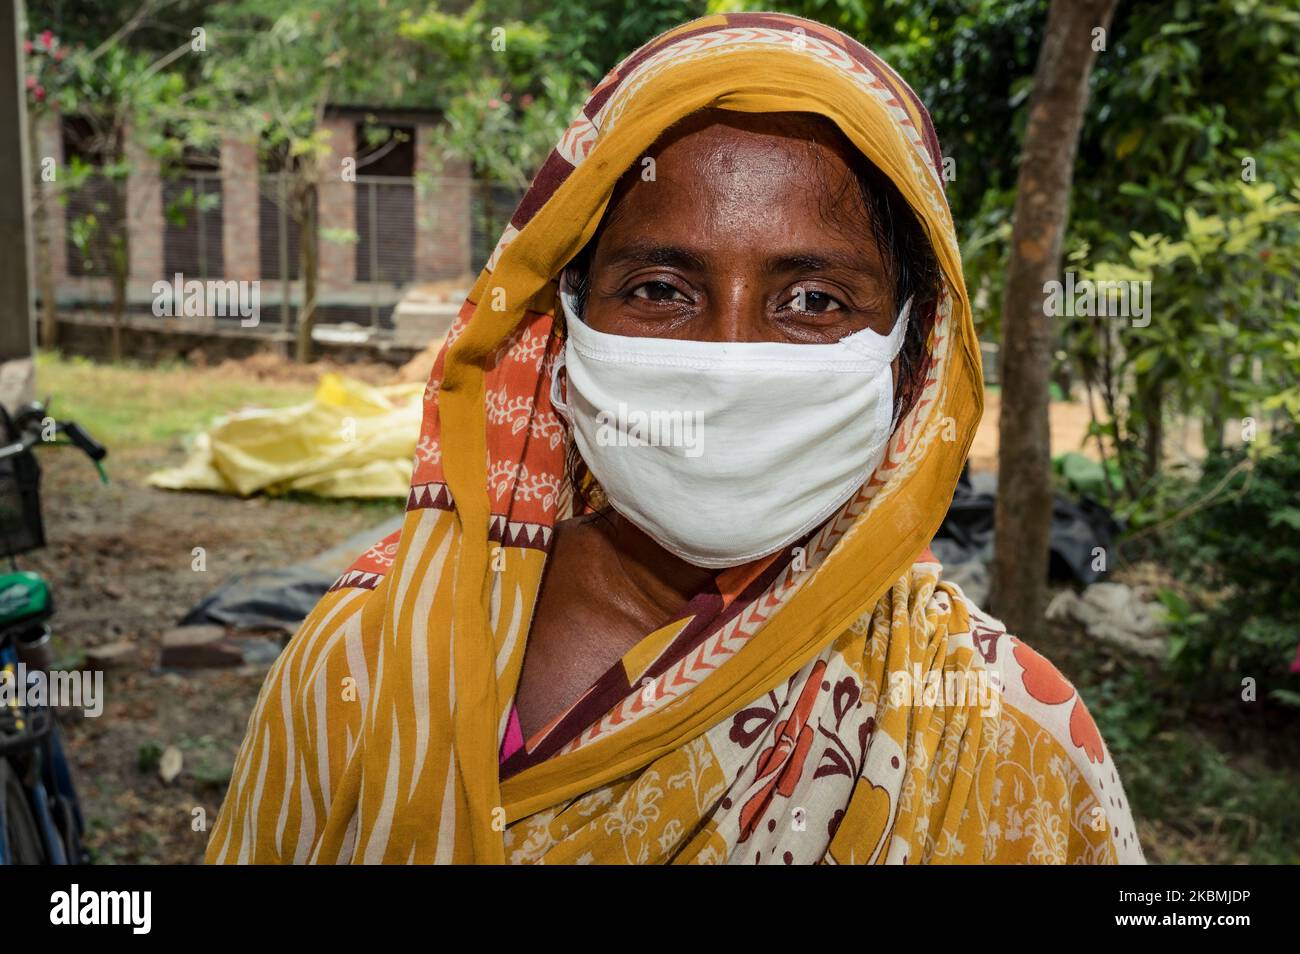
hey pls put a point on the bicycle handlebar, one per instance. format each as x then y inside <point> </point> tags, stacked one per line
<point>78,437</point>
<point>30,422</point>
<point>19,447</point>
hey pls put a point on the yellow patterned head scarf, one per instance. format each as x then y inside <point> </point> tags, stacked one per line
<point>805,714</point>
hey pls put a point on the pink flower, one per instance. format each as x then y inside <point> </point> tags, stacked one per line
<point>506,97</point>
<point>27,47</point>
<point>39,93</point>
<point>47,39</point>
<point>493,103</point>
<point>526,100</point>
<point>58,56</point>
<point>31,82</point>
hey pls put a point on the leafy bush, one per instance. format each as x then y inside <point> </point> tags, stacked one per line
<point>1242,552</point>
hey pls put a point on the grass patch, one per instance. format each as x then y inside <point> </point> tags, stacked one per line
<point>132,405</point>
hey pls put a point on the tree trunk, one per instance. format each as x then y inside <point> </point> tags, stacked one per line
<point>1214,421</point>
<point>308,258</point>
<point>42,200</point>
<point>1153,413</point>
<point>1024,500</point>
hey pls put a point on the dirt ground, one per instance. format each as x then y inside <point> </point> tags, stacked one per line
<point>120,561</point>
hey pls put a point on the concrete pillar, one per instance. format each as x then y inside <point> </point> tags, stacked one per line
<point>336,206</point>
<point>240,222</point>
<point>17,314</point>
<point>49,145</point>
<point>144,217</point>
<point>442,212</point>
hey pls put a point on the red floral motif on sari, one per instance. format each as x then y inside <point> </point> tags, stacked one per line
<point>784,759</point>
<point>1046,684</point>
<point>1084,734</point>
<point>1041,678</point>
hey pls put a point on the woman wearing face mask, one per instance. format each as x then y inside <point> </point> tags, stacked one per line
<point>663,592</point>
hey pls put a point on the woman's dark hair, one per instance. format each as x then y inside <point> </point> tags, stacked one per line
<point>908,256</point>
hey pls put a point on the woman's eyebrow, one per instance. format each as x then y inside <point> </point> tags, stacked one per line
<point>636,254</point>
<point>821,262</point>
<point>651,253</point>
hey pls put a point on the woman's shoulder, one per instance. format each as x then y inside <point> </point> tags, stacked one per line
<point>1048,741</point>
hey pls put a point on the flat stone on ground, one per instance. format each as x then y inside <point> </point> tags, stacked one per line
<point>110,655</point>
<point>199,647</point>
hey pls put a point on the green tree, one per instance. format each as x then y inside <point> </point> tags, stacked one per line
<point>114,93</point>
<point>1058,101</point>
<point>277,66</point>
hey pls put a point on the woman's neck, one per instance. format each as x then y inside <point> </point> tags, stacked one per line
<point>663,580</point>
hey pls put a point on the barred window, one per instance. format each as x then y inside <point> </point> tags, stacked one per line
<point>385,204</point>
<point>193,218</point>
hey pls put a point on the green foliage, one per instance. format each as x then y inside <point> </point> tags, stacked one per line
<point>1221,342</point>
<point>148,756</point>
<point>1171,108</point>
<point>480,40</point>
<point>1084,477</point>
<point>1128,711</point>
<point>590,38</point>
<point>178,211</point>
<point>90,23</point>
<point>1241,552</point>
<point>276,66</point>
<point>986,236</point>
<point>506,136</point>
<point>1179,778</point>
<point>113,88</point>
<point>520,75</point>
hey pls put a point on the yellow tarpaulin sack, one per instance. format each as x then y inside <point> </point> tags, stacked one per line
<point>350,440</point>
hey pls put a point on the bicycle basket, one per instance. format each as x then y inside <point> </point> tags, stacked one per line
<point>21,528</point>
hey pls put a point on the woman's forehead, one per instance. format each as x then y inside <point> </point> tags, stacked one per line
<point>727,171</point>
<point>714,142</point>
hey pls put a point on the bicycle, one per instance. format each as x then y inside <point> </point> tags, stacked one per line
<point>40,813</point>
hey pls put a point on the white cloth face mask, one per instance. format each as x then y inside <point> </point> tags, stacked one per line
<point>723,452</point>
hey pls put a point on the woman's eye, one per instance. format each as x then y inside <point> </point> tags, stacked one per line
<point>657,291</point>
<point>813,302</point>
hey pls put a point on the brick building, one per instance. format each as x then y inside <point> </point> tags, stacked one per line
<point>402,233</point>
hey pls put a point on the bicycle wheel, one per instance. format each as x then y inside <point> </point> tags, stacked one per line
<point>64,804</point>
<point>22,840</point>
<point>66,818</point>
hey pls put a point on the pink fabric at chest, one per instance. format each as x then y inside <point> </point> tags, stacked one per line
<point>514,740</point>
